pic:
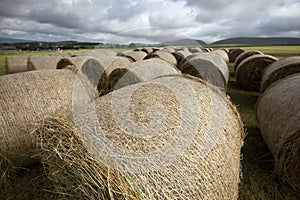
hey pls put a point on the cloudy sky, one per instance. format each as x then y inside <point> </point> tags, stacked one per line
<point>125,21</point>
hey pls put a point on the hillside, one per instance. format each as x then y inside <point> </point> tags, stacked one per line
<point>183,42</point>
<point>13,40</point>
<point>261,41</point>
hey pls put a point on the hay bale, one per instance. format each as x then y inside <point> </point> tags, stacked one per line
<point>167,49</point>
<point>167,161</point>
<point>195,50</point>
<point>164,55</point>
<point>243,56</point>
<point>147,50</point>
<point>16,64</point>
<point>234,53</point>
<point>249,72</point>
<point>222,53</point>
<point>110,65</point>
<point>278,115</point>
<point>134,55</point>
<point>89,66</point>
<point>279,70</point>
<point>206,68</point>
<point>25,99</point>
<point>43,62</point>
<point>181,55</point>
<point>140,71</point>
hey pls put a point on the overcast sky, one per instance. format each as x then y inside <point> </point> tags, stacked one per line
<point>125,21</point>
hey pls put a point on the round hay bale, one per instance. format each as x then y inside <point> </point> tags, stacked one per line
<point>222,53</point>
<point>234,53</point>
<point>279,70</point>
<point>181,55</point>
<point>147,50</point>
<point>16,64</point>
<point>140,71</point>
<point>195,50</point>
<point>110,65</point>
<point>249,72</point>
<point>89,66</point>
<point>208,67</point>
<point>167,49</point>
<point>43,62</point>
<point>134,55</point>
<point>243,56</point>
<point>164,55</point>
<point>25,99</point>
<point>278,115</point>
<point>167,161</point>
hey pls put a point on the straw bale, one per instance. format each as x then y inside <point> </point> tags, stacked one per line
<point>278,115</point>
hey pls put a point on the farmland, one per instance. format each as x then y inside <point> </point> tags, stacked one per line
<point>257,178</point>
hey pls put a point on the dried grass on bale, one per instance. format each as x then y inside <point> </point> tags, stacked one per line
<point>80,169</point>
<point>181,55</point>
<point>25,98</point>
<point>195,50</point>
<point>140,71</point>
<point>215,59</point>
<point>279,70</point>
<point>89,66</point>
<point>278,115</point>
<point>110,65</point>
<point>222,53</point>
<point>206,69</point>
<point>134,55</point>
<point>16,64</point>
<point>147,50</point>
<point>43,62</point>
<point>250,71</point>
<point>234,53</point>
<point>164,55</point>
<point>167,49</point>
<point>243,56</point>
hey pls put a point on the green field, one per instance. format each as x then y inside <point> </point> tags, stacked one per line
<point>257,178</point>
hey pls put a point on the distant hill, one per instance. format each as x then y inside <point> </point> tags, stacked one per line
<point>261,40</point>
<point>13,40</point>
<point>183,42</point>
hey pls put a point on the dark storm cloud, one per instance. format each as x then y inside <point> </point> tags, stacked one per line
<point>129,20</point>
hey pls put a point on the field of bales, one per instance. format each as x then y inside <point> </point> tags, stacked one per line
<point>257,177</point>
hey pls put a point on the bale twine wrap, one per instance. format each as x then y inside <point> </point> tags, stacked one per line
<point>134,55</point>
<point>164,55</point>
<point>234,53</point>
<point>16,64</point>
<point>249,72</point>
<point>278,115</point>
<point>243,56</point>
<point>43,62</point>
<point>25,99</point>
<point>167,160</point>
<point>279,70</point>
<point>140,71</point>
<point>181,55</point>
<point>208,67</point>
